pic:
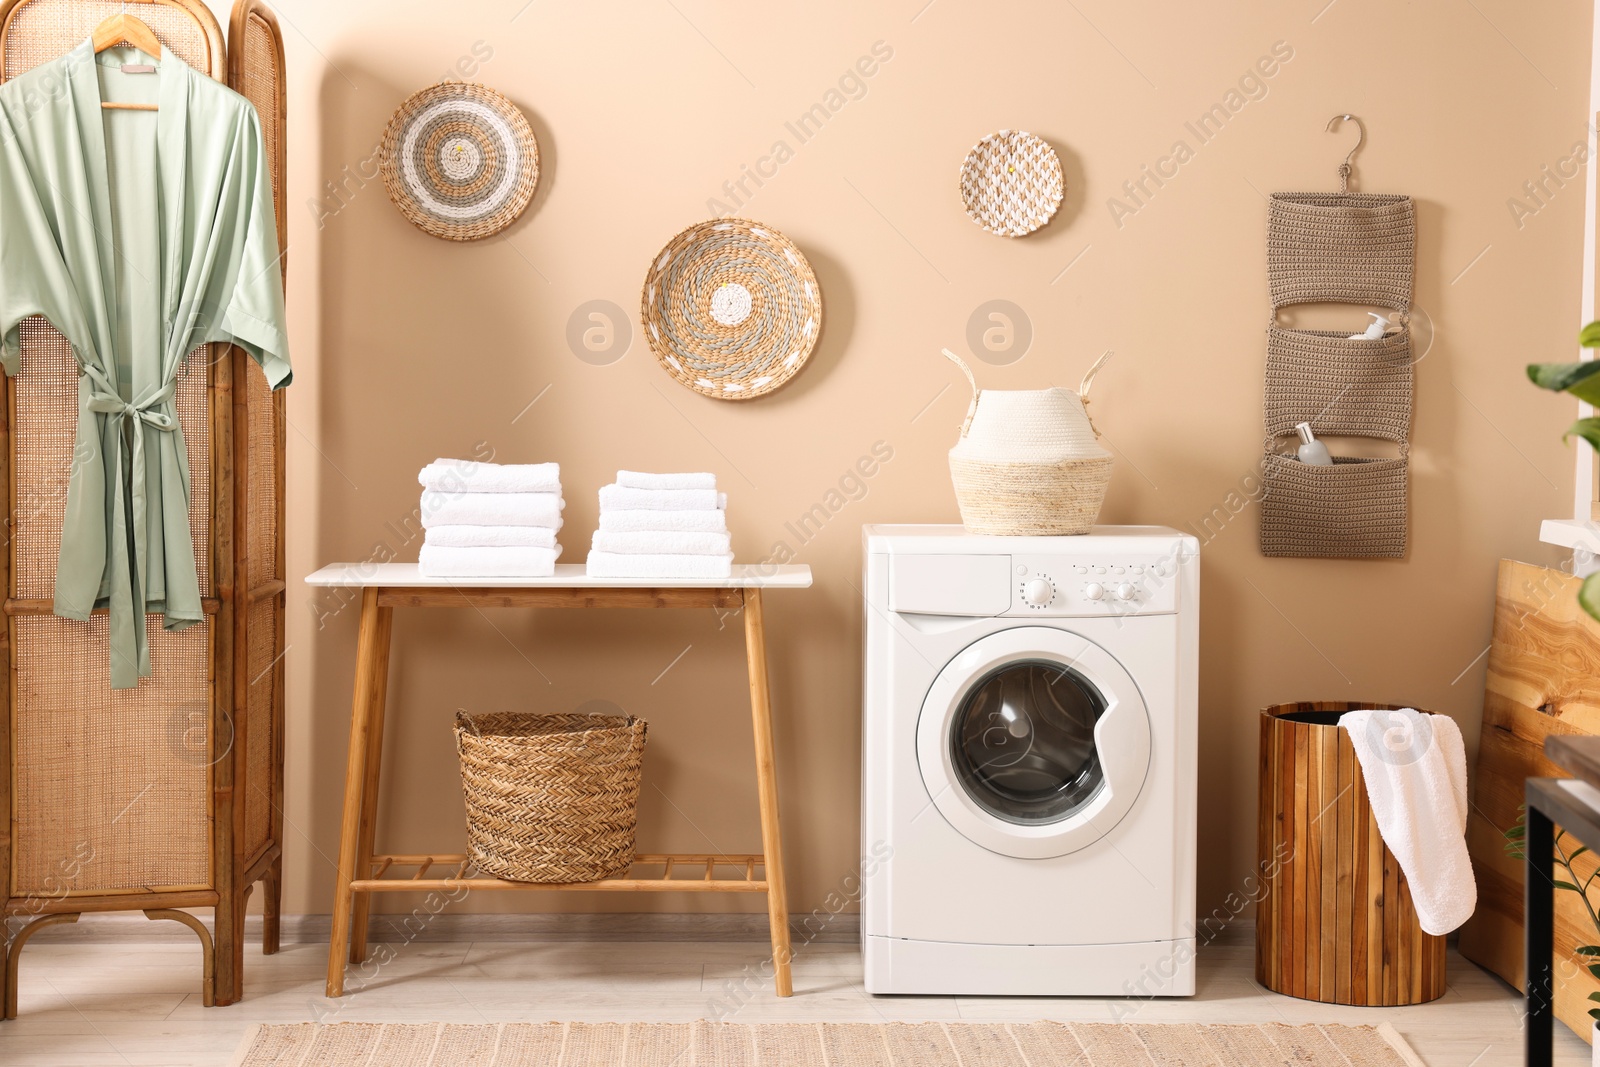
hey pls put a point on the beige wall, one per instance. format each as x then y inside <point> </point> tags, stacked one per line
<point>407,348</point>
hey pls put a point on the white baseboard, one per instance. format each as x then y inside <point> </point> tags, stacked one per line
<point>583,926</point>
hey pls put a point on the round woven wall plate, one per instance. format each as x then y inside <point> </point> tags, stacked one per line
<point>459,161</point>
<point>731,308</point>
<point>1011,183</point>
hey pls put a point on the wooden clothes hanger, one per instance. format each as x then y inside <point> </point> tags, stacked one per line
<point>134,30</point>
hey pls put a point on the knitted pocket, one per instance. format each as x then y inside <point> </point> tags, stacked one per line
<point>1338,384</point>
<point>1354,509</point>
<point>1351,248</point>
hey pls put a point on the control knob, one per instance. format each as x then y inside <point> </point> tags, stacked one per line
<point>1038,592</point>
<point>1126,591</point>
<point>1094,591</point>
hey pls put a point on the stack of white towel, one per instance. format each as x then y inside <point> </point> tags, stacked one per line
<point>662,526</point>
<point>490,520</point>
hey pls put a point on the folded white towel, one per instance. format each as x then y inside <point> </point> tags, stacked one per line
<point>625,498</point>
<point>491,537</point>
<point>663,542</point>
<point>435,561</point>
<point>1415,767</point>
<point>640,480</point>
<point>680,521</point>
<point>491,509</point>
<point>469,476</point>
<point>623,565</point>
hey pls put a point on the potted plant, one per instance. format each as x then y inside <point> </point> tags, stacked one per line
<point>1582,380</point>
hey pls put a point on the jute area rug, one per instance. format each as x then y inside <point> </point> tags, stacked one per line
<point>706,1044</point>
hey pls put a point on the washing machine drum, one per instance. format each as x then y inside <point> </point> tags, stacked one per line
<point>1033,742</point>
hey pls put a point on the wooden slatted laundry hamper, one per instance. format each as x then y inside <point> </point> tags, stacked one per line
<point>168,795</point>
<point>1334,921</point>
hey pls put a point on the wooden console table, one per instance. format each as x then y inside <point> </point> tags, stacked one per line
<point>386,586</point>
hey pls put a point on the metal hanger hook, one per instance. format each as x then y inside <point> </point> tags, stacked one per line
<point>1344,168</point>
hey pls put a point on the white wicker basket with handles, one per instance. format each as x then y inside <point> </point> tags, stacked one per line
<point>1029,460</point>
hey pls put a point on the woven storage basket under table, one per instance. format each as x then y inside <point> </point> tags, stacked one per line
<point>551,798</point>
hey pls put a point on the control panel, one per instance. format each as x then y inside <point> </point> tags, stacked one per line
<point>1073,585</point>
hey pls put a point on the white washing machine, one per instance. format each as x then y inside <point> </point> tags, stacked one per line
<point>1029,762</point>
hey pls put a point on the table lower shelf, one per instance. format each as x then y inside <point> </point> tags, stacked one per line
<point>675,873</point>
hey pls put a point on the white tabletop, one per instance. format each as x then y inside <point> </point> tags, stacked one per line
<point>567,576</point>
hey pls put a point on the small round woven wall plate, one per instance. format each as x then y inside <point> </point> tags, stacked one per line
<point>731,308</point>
<point>459,161</point>
<point>1011,183</point>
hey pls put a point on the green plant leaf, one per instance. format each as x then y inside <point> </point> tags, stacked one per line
<point>1517,832</point>
<point>1589,595</point>
<point>1564,885</point>
<point>1588,429</point>
<point>1575,378</point>
<point>1587,950</point>
<point>1589,336</point>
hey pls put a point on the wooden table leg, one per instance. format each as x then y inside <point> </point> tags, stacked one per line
<point>362,904</point>
<point>755,647</point>
<point>372,669</point>
<point>1539,932</point>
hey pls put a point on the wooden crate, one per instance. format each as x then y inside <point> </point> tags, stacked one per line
<point>1336,922</point>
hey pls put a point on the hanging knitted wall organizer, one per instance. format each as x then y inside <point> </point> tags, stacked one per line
<point>1348,248</point>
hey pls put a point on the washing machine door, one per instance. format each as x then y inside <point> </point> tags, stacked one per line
<point>1033,742</point>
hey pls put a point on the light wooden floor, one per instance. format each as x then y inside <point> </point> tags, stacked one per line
<point>138,1003</point>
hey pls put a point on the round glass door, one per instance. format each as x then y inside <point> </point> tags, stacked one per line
<point>1022,743</point>
<point>1033,742</point>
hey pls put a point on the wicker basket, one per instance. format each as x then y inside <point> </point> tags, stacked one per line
<point>550,798</point>
<point>1029,462</point>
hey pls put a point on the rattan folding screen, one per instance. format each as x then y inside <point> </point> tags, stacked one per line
<point>167,796</point>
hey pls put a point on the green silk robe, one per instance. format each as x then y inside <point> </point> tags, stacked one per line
<point>139,235</point>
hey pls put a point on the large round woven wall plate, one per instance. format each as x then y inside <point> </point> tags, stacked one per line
<point>731,308</point>
<point>459,161</point>
<point>1011,183</point>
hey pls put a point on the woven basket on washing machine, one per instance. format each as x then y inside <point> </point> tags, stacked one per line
<point>1029,460</point>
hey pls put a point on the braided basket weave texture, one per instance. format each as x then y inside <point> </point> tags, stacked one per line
<point>731,308</point>
<point>1353,248</point>
<point>1355,509</point>
<point>460,161</point>
<point>1339,384</point>
<point>1011,183</point>
<point>551,798</point>
<point>1029,461</point>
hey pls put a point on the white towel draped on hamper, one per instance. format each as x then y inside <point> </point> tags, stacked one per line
<point>1415,768</point>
